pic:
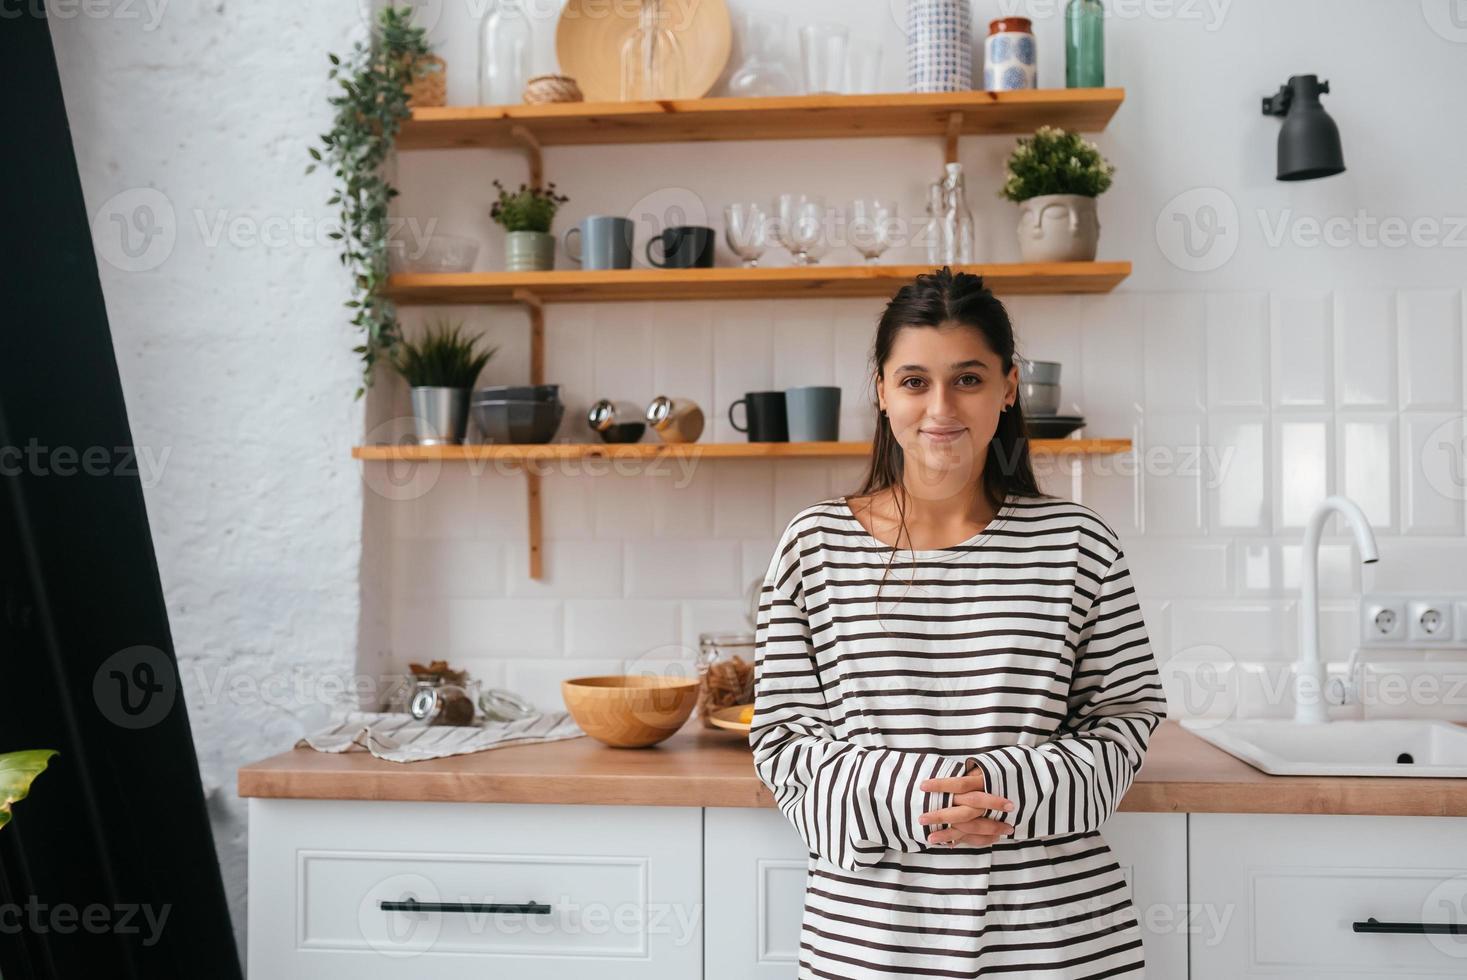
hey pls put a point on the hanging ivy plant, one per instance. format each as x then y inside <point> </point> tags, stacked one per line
<point>370,106</point>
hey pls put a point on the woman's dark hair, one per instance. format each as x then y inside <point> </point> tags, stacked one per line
<point>932,300</point>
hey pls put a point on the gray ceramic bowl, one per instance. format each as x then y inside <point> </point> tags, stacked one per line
<point>517,393</point>
<point>1039,399</point>
<point>517,422</point>
<point>1039,372</point>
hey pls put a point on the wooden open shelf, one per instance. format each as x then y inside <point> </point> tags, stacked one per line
<point>698,450</point>
<point>947,114</point>
<point>791,282</point>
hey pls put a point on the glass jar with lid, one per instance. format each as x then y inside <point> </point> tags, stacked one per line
<point>725,672</point>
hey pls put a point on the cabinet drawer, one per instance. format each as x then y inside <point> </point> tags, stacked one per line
<point>528,891</point>
<point>1283,894</point>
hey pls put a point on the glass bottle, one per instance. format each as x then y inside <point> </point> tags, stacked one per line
<point>650,57</point>
<point>762,73</point>
<point>1085,44</point>
<point>506,40</point>
<point>957,220</point>
<point>935,248</point>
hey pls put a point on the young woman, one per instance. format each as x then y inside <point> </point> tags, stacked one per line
<point>947,732</point>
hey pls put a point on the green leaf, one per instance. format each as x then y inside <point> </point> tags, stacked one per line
<point>17,771</point>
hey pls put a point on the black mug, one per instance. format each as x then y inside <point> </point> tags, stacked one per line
<point>684,247</point>
<point>765,411</point>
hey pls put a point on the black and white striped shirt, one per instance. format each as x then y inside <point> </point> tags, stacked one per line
<point>1021,653</point>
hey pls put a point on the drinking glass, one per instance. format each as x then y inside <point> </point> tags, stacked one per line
<point>823,53</point>
<point>872,224</point>
<point>746,229</point>
<point>800,225</point>
<point>863,68</point>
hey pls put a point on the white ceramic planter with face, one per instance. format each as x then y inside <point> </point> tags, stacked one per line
<point>1058,228</point>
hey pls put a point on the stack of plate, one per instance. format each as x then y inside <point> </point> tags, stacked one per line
<point>1039,393</point>
<point>517,414</point>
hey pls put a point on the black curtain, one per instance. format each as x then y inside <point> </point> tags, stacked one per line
<point>108,869</point>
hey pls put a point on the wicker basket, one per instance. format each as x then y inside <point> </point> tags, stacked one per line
<point>552,88</point>
<point>430,84</point>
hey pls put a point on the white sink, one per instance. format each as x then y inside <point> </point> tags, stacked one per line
<point>1384,747</point>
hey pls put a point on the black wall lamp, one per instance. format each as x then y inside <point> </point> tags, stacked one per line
<point>1309,142</point>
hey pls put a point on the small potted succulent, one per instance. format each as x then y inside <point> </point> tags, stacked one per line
<point>17,771</point>
<point>526,215</point>
<point>1054,176</point>
<point>441,369</point>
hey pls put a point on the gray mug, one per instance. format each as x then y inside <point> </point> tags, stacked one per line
<point>605,242</point>
<point>813,413</point>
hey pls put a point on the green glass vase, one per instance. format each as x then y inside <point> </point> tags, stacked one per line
<point>1084,44</point>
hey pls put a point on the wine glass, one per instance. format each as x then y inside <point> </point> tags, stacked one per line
<point>746,229</point>
<point>872,223</point>
<point>801,226</point>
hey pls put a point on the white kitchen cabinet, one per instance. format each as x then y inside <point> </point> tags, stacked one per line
<point>473,890</point>
<point>754,891</point>
<point>1283,893</point>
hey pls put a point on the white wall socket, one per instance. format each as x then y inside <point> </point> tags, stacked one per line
<point>1429,620</point>
<point>1459,613</point>
<point>1383,619</point>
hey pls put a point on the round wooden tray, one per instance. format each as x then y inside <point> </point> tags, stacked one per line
<point>729,718</point>
<point>588,40</point>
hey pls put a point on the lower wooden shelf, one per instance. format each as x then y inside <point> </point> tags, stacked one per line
<point>699,450</point>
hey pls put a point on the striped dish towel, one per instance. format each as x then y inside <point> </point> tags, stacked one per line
<point>402,738</point>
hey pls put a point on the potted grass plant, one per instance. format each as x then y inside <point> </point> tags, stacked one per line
<point>526,215</point>
<point>441,369</point>
<point>17,771</point>
<point>1055,176</point>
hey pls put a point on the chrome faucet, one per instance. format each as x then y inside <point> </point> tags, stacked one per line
<point>1309,672</point>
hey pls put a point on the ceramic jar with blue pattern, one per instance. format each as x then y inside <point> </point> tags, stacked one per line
<point>1010,60</point>
<point>939,46</point>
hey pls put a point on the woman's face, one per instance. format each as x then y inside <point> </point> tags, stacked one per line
<point>943,389</point>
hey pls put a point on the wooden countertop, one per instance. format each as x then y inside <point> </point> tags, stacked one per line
<point>702,767</point>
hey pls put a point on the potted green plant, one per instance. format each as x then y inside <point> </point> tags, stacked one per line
<point>369,108</point>
<point>1054,176</point>
<point>526,215</point>
<point>441,369</point>
<point>17,771</point>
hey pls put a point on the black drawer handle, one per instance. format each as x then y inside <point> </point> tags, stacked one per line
<point>413,905</point>
<point>1414,928</point>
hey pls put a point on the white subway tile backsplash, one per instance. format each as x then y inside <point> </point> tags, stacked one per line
<point>1430,327</point>
<point>1365,349</point>
<point>1237,351</point>
<point>1299,345</point>
<point>657,568</point>
<point>1246,630</point>
<point>1302,468</point>
<point>1367,468</point>
<point>448,567</point>
<point>571,569</point>
<point>1433,472</point>
<point>743,497</point>
<point>1175,352</point>
<point>504,627</point>
<point>1178,567</point>
<point>1240,496</point>
<point>1246,408</point>
<point>1172,473</point>
<point>620,627</point>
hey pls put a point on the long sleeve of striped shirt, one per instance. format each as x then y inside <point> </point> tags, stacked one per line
<point>851,804</point>
<point>1073,782</point>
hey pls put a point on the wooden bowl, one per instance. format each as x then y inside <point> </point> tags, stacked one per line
<point>630,711</point>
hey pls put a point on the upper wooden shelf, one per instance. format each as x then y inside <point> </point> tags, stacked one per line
<point>817,281</point>
<point>701,450</point>
<point>782,117</point>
